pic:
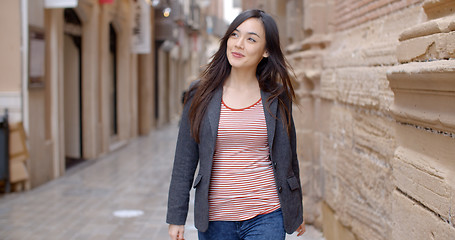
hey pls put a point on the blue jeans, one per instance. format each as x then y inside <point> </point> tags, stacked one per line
<point>262,227</point>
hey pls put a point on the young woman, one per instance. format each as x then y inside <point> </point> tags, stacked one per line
<point>237,124</point>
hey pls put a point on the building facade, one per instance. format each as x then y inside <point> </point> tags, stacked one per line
<point>88,76</point>
<point>375,116</point>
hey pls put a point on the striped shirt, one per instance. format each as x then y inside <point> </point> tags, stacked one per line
<point>242,184</point>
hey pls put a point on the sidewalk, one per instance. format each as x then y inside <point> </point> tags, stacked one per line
<point>82,203</point>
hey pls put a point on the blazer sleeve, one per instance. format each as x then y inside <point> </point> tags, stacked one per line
<point>293,141</point>
<point>185,163</point>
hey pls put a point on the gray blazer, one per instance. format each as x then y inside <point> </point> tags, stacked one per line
<point>188,153</point>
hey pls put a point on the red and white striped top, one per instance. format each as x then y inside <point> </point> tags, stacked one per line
<point>242,185</point>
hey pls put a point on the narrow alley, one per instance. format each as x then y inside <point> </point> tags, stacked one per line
<point>91,90</point>
<point>121,195</point>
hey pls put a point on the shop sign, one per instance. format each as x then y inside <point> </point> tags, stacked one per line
<point>60,3</point>
<point>37,46</point>
<point>140,43</point>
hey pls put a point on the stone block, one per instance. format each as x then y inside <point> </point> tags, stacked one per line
<point>373,43</point>
<point>374,136</point>
<point>418,176</point>
<point>432,109</point>
<point>323,110</point>
<point>378,54</point>
<point>431,47</point>
<point>410,50</point>
<point>410,220</point>
<point>311,195</point>
<point>305,60</point>
<point>328,85</point>
<point>438,8</point>
<point>301,112</point>
<point>310,174</point>
<point>424,169</point>
<point>331,188</point>
<point>443,25</point>
<point>354,210</point>
<point>357,175</point>
<point>332,228</point>
<point>305,148</point>
<point>315,17</point>
<point>354,13</point>
<point>365,87</point>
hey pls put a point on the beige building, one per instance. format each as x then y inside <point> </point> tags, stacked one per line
<point>376,115</point>
<point>79,81</point>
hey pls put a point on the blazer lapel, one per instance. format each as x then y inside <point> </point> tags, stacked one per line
<point>214,109</point>
<point>213,113</point>
<point>270,117</point>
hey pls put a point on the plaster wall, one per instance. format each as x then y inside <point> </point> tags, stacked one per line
<point>10,59</point>
<point>10,43</point>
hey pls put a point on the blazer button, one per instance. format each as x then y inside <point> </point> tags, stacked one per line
<point>280,189</point>
<point>274,165</point>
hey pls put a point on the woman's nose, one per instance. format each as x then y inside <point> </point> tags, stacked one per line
<point>239,43</point>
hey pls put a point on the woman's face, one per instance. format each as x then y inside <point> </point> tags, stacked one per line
<point>246,45</point>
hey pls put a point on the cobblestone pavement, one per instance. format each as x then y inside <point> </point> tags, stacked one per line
<point>81,204</point>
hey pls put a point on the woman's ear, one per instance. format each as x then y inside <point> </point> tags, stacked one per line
<point>266,54</point>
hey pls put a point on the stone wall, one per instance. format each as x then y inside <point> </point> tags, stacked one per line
<point>423,201</point>
<point>376,115</point>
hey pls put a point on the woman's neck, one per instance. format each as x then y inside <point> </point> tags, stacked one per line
<point>241,90</point>
<point>240,79</point>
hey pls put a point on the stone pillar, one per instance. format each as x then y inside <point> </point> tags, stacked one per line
<point>163,86</point>
<point>146,85</point>
<point>133,107</point>
<point>91,130</point>
<point>146,93</point>
<point>423,201</point>
<point>122,20</point>
<point>175,60</point>
<point>54,72</point>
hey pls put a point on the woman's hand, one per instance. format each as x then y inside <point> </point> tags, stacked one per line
<point>301,229</point>
<point>176,232</point>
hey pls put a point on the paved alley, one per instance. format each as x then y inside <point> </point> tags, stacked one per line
<point>122,195</point>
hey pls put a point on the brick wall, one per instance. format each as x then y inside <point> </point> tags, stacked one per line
<point>350,13</point>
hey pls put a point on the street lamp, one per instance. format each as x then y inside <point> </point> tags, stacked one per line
<point>167,12</point>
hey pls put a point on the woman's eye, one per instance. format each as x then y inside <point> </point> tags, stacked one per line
<point>251,39</point>
<point>234,34</point>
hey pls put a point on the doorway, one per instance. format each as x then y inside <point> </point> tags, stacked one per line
<point>113,83</point>
<point>72,89</point>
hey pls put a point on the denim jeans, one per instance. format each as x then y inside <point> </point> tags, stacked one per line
<point>262,227</point>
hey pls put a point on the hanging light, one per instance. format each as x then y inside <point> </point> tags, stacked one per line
<point>167,12</point>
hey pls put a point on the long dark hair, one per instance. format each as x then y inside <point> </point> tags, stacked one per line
<point>272,73</point>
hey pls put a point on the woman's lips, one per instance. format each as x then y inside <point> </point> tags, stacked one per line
<point>237,55</point>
